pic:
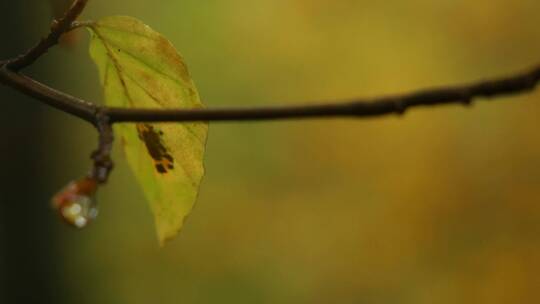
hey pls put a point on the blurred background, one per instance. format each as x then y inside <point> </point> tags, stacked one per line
<point>439,206</point>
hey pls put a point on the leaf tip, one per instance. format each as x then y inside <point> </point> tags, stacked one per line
<point>167,234</point>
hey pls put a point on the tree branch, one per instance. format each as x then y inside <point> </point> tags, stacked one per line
<point>102,156</point>
<point>54,98</point>
<point>355,108</point>
<point>58,28</point>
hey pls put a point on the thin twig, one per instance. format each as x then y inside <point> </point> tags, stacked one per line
<point>58,28</point>
<point>102,156</point>
<point>355,108</point>
<point>54,98</point>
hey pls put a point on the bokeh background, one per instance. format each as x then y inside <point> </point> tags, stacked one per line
<point>439,206</point>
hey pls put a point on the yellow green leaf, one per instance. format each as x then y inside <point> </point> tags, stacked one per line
<point>139,68</point>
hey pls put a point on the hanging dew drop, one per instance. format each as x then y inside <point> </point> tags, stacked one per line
<point>79,211</point>
<point>76,203</point>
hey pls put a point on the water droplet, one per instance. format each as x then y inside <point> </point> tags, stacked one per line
<point>76,203</point>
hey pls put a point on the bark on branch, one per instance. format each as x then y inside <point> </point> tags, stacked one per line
<point>354,108</point>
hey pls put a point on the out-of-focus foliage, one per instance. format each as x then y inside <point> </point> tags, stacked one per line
<point>439,206</point>
<point>139,68</point>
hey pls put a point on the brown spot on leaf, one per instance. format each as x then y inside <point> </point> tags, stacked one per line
<point>161,169</point>
<point>123,142</point>
<point>163,161</point>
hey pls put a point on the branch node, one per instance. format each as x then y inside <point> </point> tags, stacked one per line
<point>400,106</point>
<point>532,82</point>
<point>467,99</point>
<point>54,25</point>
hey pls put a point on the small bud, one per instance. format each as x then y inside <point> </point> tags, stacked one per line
<point>76,203</point>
